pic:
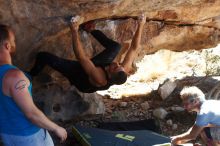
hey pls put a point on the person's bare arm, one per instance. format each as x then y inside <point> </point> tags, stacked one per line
<point>96,75</point>
<point>135,45</point>
<point>191,134</point>
<point>16,86</point>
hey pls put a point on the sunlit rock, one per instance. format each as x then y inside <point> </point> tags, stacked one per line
<point>166,89</point>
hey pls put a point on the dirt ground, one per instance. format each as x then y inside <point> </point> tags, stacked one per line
<point>134,112</point>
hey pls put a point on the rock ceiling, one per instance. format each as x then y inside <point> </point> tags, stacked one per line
<point>178,25</point>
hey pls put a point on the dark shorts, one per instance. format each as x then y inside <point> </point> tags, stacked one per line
<point>212,133</point>
<point>207,132</point>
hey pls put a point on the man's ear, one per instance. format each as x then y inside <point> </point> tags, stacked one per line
<point>7,45</point>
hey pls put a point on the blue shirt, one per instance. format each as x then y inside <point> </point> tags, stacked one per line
<point>209,113</point>
<point>12,119</point>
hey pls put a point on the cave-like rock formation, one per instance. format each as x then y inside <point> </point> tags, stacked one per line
<point>40,25</point>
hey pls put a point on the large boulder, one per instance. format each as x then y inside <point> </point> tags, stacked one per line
<point>40,25</point>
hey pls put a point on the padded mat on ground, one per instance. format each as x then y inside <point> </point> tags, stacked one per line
<point>99,137</point>
<point>148,124</point>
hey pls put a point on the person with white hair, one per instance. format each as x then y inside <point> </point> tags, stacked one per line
<point>207,120</point>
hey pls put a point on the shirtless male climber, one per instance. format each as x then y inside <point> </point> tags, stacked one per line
<point>100,72</point>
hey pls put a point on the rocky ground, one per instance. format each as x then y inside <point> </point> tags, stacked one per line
<point>133,109</point>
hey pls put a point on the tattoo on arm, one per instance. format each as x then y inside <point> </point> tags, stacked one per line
<point>20,85</point>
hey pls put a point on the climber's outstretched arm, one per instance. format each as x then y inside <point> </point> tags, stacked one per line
<point>135,45</point>
<point>96,75</point>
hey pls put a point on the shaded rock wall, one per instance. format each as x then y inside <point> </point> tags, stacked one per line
<point>40,25</point>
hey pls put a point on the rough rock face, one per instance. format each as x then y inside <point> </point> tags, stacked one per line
<point>40,25</point>
<point>171,24</point>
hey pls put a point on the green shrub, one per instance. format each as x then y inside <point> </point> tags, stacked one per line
<point>212,62</point>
